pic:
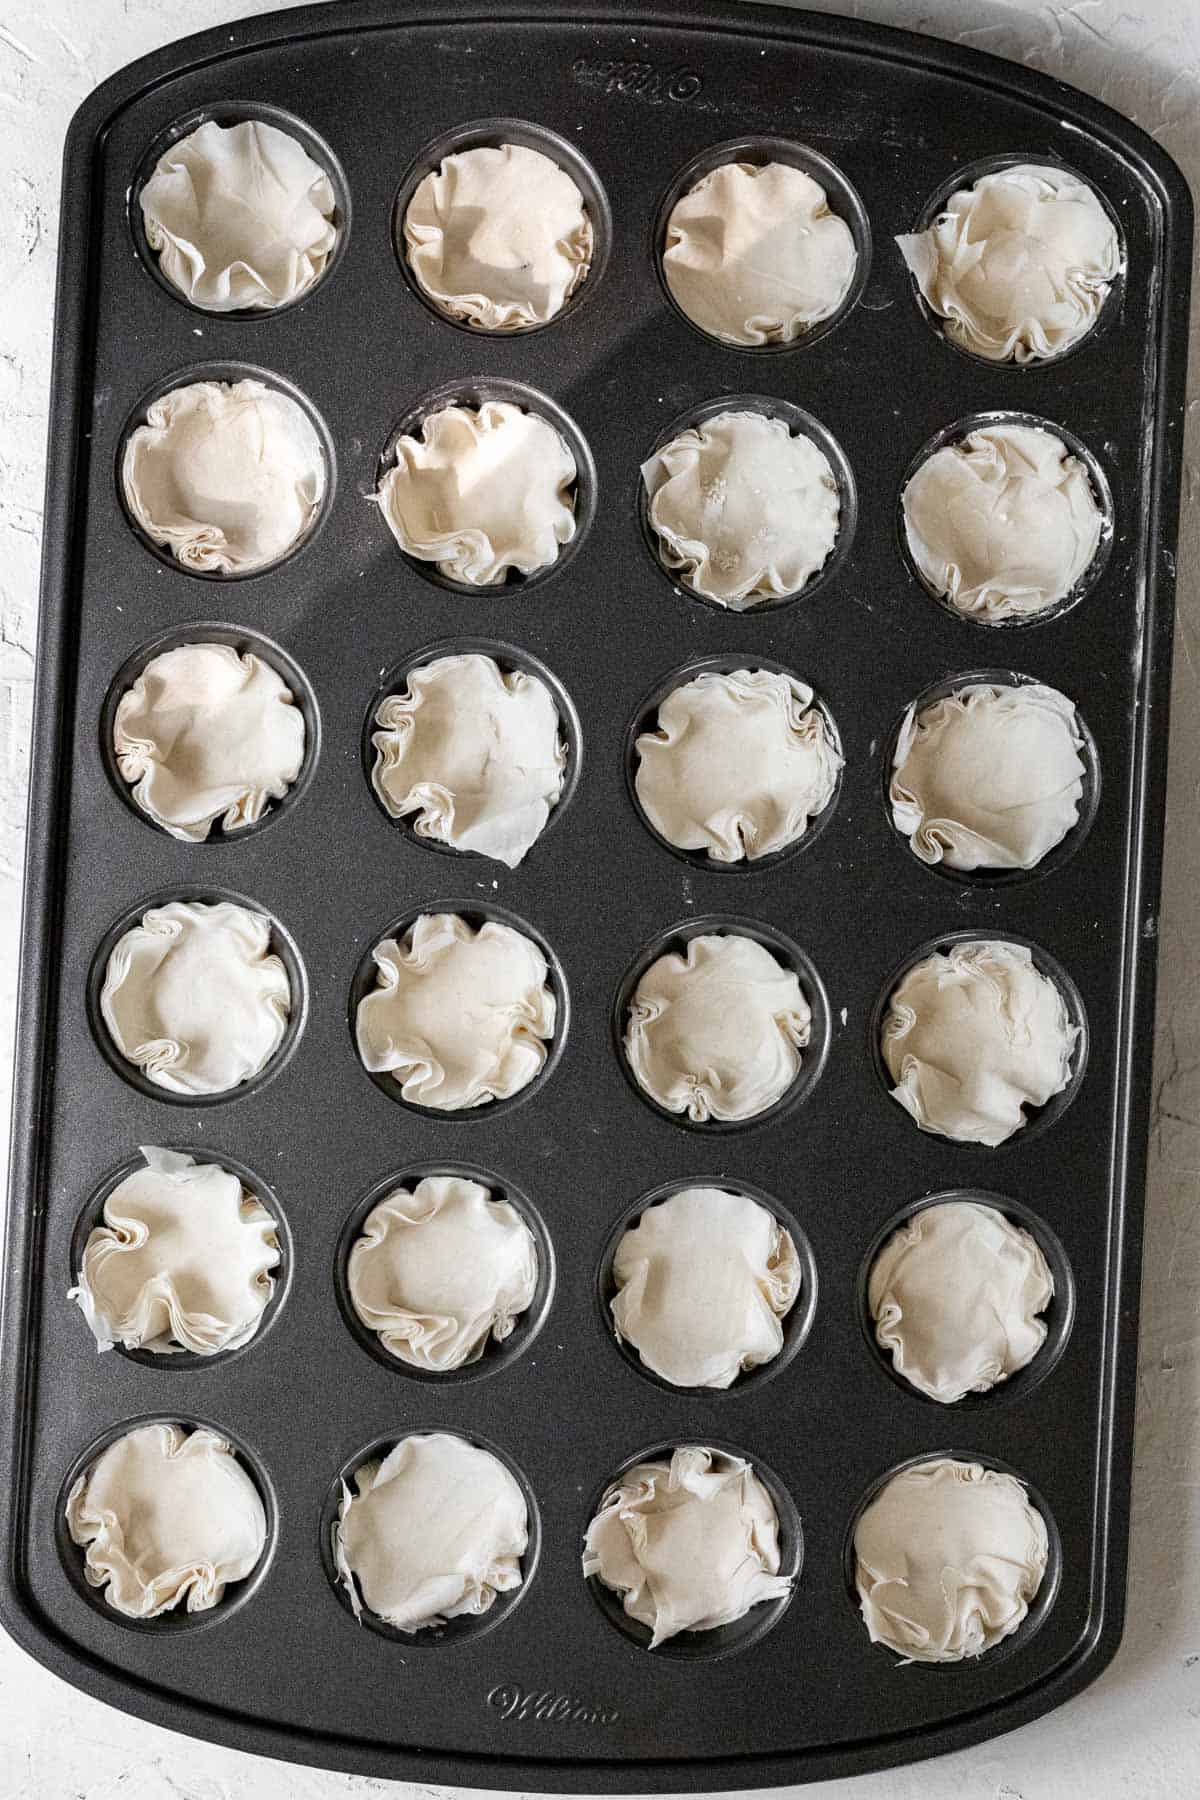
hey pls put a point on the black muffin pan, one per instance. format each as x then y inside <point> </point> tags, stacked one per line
<point>554,1692</point>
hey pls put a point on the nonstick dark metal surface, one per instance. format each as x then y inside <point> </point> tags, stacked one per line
<point>554,1695</point>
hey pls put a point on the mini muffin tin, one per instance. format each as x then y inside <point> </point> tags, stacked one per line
<point>551,1690</point>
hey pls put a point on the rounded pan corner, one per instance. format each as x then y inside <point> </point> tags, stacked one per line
<point>99,109</point>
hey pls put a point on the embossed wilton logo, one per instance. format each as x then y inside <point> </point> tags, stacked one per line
<point>641,79</point>
<point>548,1708</point>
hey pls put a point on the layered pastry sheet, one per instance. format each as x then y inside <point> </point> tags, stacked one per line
<point>226,476</point>
<point>1019,264</point>
<point>166,1518</point>
<point>474,754</point>
<point>949,1558</point>
<point>442,1269</point>
<point>754,255</point>
<point>498,237</point>
<point>972,1036</point>
<point>181,1260</point>
<point>241,217</point>
<point>432,1531</point>
<point>689,1543</point>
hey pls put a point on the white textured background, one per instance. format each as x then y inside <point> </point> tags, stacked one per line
<point>1135,1735</point>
